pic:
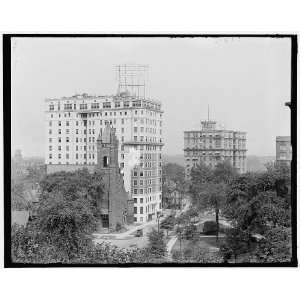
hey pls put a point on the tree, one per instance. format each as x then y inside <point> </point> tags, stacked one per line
<point>173,172</point>
<point>213,196</point>
<point>157,245</point>
<point>18,200</point>
<point>68,209</point>
<point>66,223</point>
<point>173,182</point>
<point>275,247</point>
<point>224,172</point>
<point>29,245</point>
<point>237,242</point>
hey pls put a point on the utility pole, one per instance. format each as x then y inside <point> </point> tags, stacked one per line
<point>158,217</point>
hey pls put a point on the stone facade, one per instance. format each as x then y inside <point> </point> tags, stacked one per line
<point>116,205</point>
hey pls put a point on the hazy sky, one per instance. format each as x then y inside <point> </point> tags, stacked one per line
<point>245,82</point>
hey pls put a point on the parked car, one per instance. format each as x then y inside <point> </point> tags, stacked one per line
<point>139,233</point>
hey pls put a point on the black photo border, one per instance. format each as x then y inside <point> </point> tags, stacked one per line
<point>292,104</point>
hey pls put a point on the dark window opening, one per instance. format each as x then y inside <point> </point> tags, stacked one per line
<point>105,221</point>
<point>105,161</point>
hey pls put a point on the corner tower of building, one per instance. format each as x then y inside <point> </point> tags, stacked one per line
<point>116,205</point>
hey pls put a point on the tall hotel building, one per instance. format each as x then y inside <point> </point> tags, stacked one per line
<point>73,125</point>
<point>211,145</point>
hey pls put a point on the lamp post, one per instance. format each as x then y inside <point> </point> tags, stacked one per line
<point>179,232</point>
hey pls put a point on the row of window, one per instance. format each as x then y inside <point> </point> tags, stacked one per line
<point>97,105</point>
<point>141,182</point>
<point>144,191</point>
<point>147,129</point>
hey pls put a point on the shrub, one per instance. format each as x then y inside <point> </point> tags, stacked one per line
<point>157,245</point>
<point>190,232</point>
<point>210,228</point>
<point>118,226</point>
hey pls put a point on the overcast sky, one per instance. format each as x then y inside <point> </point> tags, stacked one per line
<point>245,82</point>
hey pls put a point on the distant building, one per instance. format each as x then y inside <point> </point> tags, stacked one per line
<point>18,158</point>
<point>211,145</point>
<point>283,150</point>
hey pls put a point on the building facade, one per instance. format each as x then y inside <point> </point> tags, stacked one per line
<point>211,145</point>
<point>283,150</point>
<point>74,123</point>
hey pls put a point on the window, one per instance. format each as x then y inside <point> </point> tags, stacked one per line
<point>141,210</point>
<point>67,131</point>
<point>59,131</point>
<point>50,131</point>
<point>126,104</point>
<point>67,148</point>
<point>106,105</point>
<point>67,156</point>
<point>135,191</point>
<point>135,200</point>
<point>59,139</point>
<point>117,104</point>
<point>141,200</point>
<point>135,129</point>
<point>67,139</point>
<point>141,173</point>
<point>134,182</point>
<point>50,123</point>
<point>83,106</point>
<point>67,123</point>
<point>51,107</point>
<point>50,148</point>
<point>50,140</point>
<point>50,156</point>
<point>136,103</point>
<point>135,210</point>
<point>68,107</point>
<point>95,105</point>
